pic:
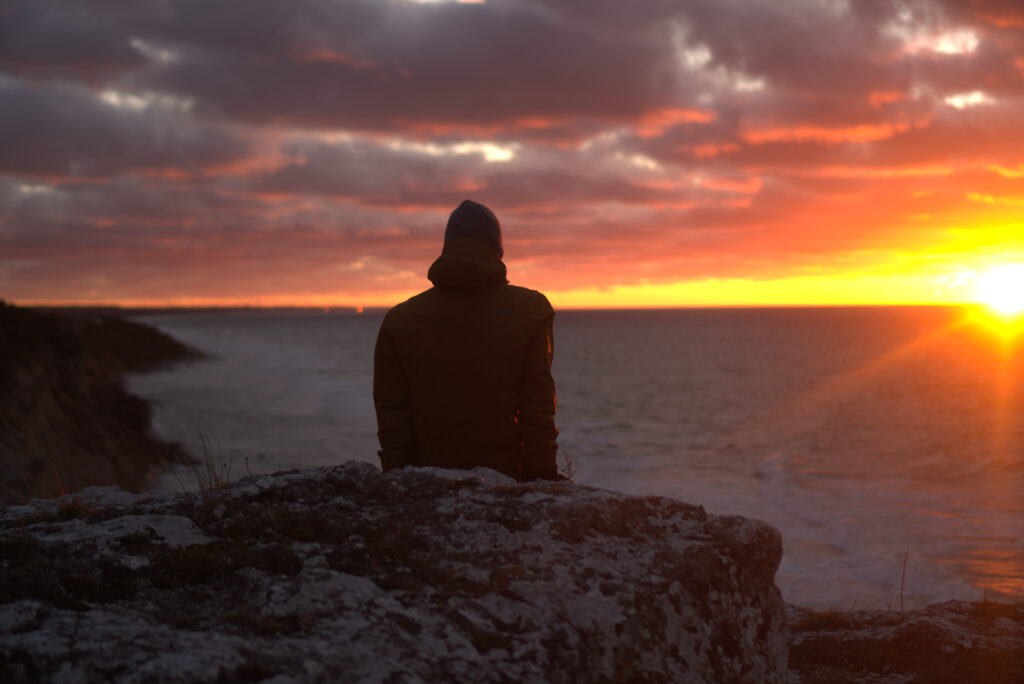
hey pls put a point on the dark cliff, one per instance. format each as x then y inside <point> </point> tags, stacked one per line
<point>66,420</point>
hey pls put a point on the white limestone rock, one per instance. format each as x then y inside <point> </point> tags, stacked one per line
<point>345,574</point>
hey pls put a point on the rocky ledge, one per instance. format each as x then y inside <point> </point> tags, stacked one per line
<point>345,574</point>
<point>954,642</point>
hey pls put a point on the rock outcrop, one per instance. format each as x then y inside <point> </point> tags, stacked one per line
<point>66,420</point>
<point>345,574</point>
<point>954,642</point>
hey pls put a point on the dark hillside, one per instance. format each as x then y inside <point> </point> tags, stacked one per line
<point>66,420</point>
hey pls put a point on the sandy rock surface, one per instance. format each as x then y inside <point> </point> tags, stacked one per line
<point>345,574</point>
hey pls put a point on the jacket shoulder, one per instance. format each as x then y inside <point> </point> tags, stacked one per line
<point>536,300</point>
<point>406,309</point>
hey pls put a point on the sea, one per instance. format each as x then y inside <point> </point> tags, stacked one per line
<point>886,444</point>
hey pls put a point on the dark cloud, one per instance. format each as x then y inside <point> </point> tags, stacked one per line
<point>174,145</point>
<point>386,65</point>
<point>440,177</point>
<point>60,130</point>
<point>61,39</point>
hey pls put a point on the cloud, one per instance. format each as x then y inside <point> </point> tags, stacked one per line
<point>59,39</point>
<point>398,173</point>
<point>387,65</point>
<point>183,147</point>
<point>60,129</point>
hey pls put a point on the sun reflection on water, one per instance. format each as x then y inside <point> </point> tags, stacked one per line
<point>999,572</point>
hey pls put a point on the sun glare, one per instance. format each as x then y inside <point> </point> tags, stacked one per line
<point>1002,289</point>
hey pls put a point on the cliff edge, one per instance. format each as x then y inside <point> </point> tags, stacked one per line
<point>347,574</point>
<point>66,420</point>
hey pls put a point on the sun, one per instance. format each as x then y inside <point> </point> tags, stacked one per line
<point>1002,289</point>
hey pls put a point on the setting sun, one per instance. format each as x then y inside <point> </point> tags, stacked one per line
<point>1002,289</point>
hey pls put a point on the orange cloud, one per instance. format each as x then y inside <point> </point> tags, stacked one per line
<point>750,186</point>
<point>1005,20</point>
<point>989,199</point>
<point>710,150</point>
<point>869,172</point>
<point>655,122</point>
<point>877,99</point>
<point>1007,173</point>
<point>861,133</point>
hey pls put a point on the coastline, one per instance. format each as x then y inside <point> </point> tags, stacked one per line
<point>66,419</point>
<point>90,355</point>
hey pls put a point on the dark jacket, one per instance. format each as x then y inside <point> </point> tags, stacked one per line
<point>462,372</point>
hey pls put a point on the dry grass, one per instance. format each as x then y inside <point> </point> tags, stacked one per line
<point>72,506</point>
<point>212,469</point>
<point>568,468</point>
<point>903,577</point>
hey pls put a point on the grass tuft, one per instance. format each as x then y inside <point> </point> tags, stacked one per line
<point>212,470</point>
<point>72,507</point>
<point>568,468</point>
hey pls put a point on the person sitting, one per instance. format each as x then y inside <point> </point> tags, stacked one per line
<point>462,371</point>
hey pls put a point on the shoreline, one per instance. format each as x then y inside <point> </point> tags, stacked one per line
<point>67,420</point>
<point>260,380</point>
<point>125,361</point>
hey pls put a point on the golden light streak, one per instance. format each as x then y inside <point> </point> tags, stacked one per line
<point>787,413</point>
<point>848,290</point>
<point>1006,172</point>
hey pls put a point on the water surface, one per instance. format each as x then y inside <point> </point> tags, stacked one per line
<point>866,435</point>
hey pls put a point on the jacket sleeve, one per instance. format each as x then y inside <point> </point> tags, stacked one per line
<point>537,407</point>
<point>391,398</point>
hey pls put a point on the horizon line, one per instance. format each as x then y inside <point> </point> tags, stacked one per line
<point>356,308</point>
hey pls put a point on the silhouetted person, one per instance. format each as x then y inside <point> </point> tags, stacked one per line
<point>462,371</point>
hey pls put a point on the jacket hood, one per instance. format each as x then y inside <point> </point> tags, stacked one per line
<point>467,263</point>
<point>472,219</point>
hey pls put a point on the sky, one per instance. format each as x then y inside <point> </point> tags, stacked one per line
<point>640,153</point>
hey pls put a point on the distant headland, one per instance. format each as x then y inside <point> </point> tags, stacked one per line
<point>66,420</point>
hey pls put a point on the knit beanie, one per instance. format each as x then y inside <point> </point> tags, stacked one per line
<point>471,219</point>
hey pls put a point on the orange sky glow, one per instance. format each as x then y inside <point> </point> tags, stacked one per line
<point>803,152</point>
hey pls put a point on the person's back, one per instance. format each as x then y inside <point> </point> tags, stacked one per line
<point>462,372</point>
